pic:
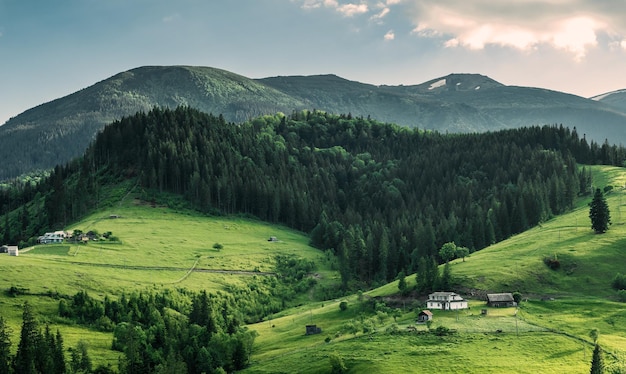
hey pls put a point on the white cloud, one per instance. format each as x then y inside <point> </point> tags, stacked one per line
<point>349,10</point>
<point>381,14</point>
<point>390,35</point>
<point>573,26</point>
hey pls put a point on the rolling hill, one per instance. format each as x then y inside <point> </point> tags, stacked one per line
<point>55,132</point>
<point>552,324</point>
<point>615,99</point>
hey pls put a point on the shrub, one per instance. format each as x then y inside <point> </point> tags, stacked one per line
<point>619,282</point>
<point>218,246</point>
<point>337,365</point>
<point>552,262</point>
<point>442,331</point>
<point>621,295</point>
<point>343,305</point>
<point>517,297</point>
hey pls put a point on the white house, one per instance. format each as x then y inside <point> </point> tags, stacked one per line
<point>52,237</point>
<point>13,251</point>
<point>446,301</point>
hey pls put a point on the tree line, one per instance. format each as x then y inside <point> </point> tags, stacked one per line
<point>168,331</point>
<point>379,196</point>
<point>41,351</point>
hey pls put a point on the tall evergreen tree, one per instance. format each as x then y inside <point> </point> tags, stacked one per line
<point>25,356</point>
<point>5,347</point>
<point>59,355</point>
<point>599,213</point>
<point>597,362</point>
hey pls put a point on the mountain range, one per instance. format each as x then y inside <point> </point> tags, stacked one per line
<point>57,131</point>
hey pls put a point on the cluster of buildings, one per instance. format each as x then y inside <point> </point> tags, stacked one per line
<point>53,237</point>
<point>12,250</point>
<point>454,301</point>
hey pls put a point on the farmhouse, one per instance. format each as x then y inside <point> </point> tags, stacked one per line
<point>52,237</point>
<point>424,316</point>
<point>501,300</point>
<point>446,301</point>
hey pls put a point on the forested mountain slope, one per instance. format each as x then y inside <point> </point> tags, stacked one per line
<point>55,132</point>
<point>380,196</point>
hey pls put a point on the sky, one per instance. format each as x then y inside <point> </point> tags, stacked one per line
<point>50,49</point>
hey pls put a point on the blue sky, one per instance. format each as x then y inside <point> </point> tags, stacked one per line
<point>49,49</point>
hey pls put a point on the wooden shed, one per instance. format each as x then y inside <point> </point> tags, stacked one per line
<point>501,300</point>
<point>424,316</point>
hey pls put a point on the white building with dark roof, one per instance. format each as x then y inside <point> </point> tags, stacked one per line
<point>446,301</point>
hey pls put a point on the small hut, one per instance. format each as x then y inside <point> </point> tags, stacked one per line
<point>501,300</point>
<point>424,316</point>
<point>313,329</point>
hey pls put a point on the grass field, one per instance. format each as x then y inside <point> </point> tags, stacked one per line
<point>548,333</point>
<point>165,248</point>
<point>158,248</point>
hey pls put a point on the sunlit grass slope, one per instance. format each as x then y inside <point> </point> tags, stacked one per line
<point>548,333</point>
<point>157,248</point>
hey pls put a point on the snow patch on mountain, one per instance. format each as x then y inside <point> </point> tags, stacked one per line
<point>600,97</point>
<point>439,83</point>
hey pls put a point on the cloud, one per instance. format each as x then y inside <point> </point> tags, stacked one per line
<point>390,35</point>
<point>380,15</point>
<point>347,10</point>
<point>573,26</point>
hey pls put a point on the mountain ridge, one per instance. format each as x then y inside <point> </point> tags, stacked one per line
<point>57,131</point>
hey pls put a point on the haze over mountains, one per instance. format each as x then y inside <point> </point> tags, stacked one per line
<point>59,130</point>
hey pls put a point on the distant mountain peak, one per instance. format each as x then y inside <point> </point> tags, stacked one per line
<point>458,82</point>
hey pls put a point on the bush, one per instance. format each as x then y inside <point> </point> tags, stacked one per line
<point>621,295</point>
<point>337,365</point>
<point>218,246</point>
<point>343,305</point>
<point>442,331</point>
<point>619,282</point>
<point>517,297</point>
<point>552,263</point>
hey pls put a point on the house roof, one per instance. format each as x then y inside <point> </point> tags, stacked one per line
<point>427,312</point>
<point>495,297</point>
<point>440,293</point>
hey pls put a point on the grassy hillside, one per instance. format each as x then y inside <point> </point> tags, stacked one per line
<point>549,333</point>
<point>162,248</point>
<point>158,248</point>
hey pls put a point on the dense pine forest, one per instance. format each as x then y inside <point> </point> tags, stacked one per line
<point>379,196</point>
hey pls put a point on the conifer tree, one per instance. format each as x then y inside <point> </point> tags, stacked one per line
<point>599,213</point>
<point>597,363</point>
<point>27,349</point>
<point>5,347</point>
<point>59,355</point>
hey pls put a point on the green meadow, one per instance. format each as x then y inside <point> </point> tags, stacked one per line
<point>158,248</point>
<point>548,333</point>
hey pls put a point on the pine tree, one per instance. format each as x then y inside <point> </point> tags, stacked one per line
<point>597,363</point>
<point>59,355</point>
<point>27,349</point>
<point>5,347</point>
<point>599,213</point>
